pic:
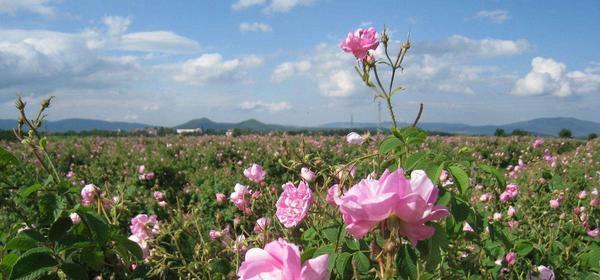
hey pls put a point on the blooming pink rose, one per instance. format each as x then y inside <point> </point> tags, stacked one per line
<point>255,173</point>
<point>511,258</point>
<point>467,227</point>
<point>238,197</point>
<point>511,211</point>
<point>595,191</point>
<point>141,169</point>
<point>262,224</point>
<point>554,203</point>
<point>87,194</point>
<point>293,204</point>
<point>511,191</point>
<point>159,196</point>
<point>354,138</point>
<point>149,176</point>
<point>220,198</point>
<point>582,195</point>
<point>594,202</point>
<point>307,175</point>
<point>593,233</point>
<point>281,260</point>
<point>541,273</point>
<point>512,224</point>
<point>144,226</point>
<point>372,201</point>
<point>331,193</point>
<point>485,197</point>
<point>360,42</point>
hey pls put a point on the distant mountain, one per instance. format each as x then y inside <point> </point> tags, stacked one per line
<point>77,125</point>
<point>250,124</point>
<point>541,126</point>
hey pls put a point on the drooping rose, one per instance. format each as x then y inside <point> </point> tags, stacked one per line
<point>360,42</point>
<point>281,260</point>
<point>293,204</point>
<point>255,173</point>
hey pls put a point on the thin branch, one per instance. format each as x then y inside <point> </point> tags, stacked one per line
<point>418,115</point>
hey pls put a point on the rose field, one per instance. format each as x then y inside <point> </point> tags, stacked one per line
<point>399,204</point>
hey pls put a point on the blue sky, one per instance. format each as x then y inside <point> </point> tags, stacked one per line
<point>165,62</point>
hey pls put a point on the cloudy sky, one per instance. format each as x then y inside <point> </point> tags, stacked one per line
<point>166,62</point>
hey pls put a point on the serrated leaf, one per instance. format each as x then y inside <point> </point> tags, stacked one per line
<point>59,228</point>
<point>9,260</point>
<point>341,262</point>
<point>523,248</point>
<point>96,224</point>
<point>32,265</point>
<point>25,192</point>
<point>407,263</point>
<point>74,271</point>
<point>21,242</point>
<point>389,144</point>
<point>413,160</point>
<point>352,244</point>
<point>307,254</point>
<point>309,234</point>
<point>129,246</point>
<point>362,262</point>
<point>495,172</point>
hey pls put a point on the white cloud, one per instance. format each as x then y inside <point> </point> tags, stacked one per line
<point>255,27</point>
<point>41,7</point>
<point>287,69</point>
<point>549,77</point>
<point>265,106</point>
<point>458,45</point>
<point>211,67</point>
<point>282,6</point>
<point>243,4</point>
<point>495,16</point>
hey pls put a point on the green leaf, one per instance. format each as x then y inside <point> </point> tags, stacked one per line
<point>341,262</point>
<point>362,262</point>
<point>431,249</point>
<point>352,244</point>
<point>389,144</point>
<point>74,271</point>
<point>96,224</point>
<point>407,263</point>
<point>93,257</point>
<point>21,242</point>
<point>9,260</point>
<point>59,228</point>
<point>129,247</point>
<point>309,234</point>
<point>523,248</point>
<point>495,172</point>
<point>32,264</point>
<point>413,159</point>
<point>25,192</point>
<point>33,234</point>
<point>460,210</point>
<point>307,254</point>
<point>461,178</point>
<point>413,135</point>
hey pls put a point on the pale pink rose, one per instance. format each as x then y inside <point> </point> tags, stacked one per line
<point>511,258</point>
<point>293,204</point>
<point>360,42</point>
<point>141,169</point>
<point>239,196</point>
<point>349,170</point>
<point>149,176</point>
<point>70,174</point>
<point>281,260</point>
<point>88,194</point>
<point>262,224</point>
<point>255,173</point>
<point>554,203</point>
<point>595,191</point>
<point>215,234</point>
<point>372,201</point>
<point>220,198</point>
<point>497,216</point>
<point>144,226</point>
<point>239,245</point>
<point>75,218</point>
<point>594,202</point>
<point>485,197</point>
<point>582,195</point>
<point>512,224</point>
<point>331,193</point>
<point>444,175</point>
<point>307,175</point>
<point>511,211</point>
<point>537,143</point>
<point>541,273</point>
<point>158,196</point>
<point>162,204</point>
<point>467,227</point>
<point>142,243</point>
<point>593,233</point>
<point>354,138</point>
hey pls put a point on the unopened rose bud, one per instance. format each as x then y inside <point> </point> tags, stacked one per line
<point>384,37</point>
<point>20,104</point>
<point>406,45</point>
<point>46,103</point>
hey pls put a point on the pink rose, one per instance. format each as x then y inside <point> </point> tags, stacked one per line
<point>332,192</point>
<point>141,169</point>
<point>293,204</point>
<point>307,175</point>
<point>537,143</point>
<point>220,198</point>
<point>87,194</point>
<point>541,273</point>
<point>262,224</point>
<point>255,173</point>
<point>511,258</point>
<point>582,195</point>
<point>511,191</point>
<point>142,243</point>
<point>593,233</point>
<point>75,218</point>
<point>144,226</point>
<point>360,42</point>
<point>238,197</point>
<point>372,201</point>
<point>281,260</point>
<point>354,138</point>
<point>467,227</point>
<point>511,211</point>
<point>485,197</point>
<point>158,196</point>
<point>554,203</point>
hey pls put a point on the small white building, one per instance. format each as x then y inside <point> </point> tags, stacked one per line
<point>189,130</point>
